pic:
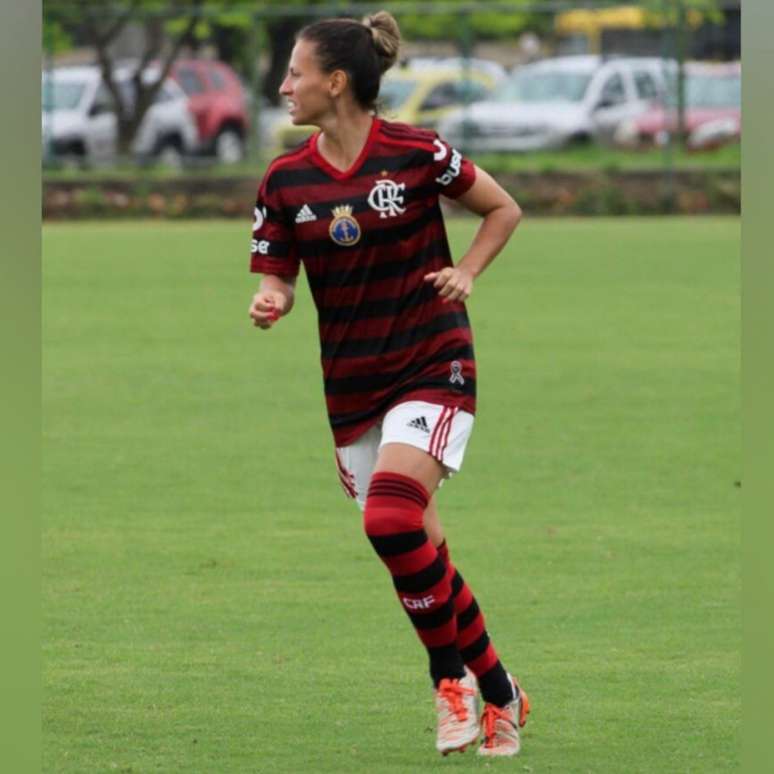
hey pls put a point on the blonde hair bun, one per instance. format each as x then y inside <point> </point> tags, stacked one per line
<point>386,36</point>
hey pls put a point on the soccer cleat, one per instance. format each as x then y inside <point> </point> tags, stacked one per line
<point>501,726</point>
<point>456,702</point>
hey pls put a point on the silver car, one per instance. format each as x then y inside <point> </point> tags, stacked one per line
<point>79,122</point>
<point>555,102</point>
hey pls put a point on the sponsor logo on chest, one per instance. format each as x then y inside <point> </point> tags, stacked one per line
<point>305,215</point>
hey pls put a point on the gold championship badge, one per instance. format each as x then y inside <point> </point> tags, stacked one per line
<point>344,229</point>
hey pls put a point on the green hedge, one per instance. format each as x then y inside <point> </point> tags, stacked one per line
<point>539,193</point>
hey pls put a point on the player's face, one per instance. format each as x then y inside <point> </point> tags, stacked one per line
<point>305,87</point>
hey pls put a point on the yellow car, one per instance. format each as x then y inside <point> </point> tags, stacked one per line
<point>419,96</point>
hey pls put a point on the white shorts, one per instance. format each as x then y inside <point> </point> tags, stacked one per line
<point>441,431</point>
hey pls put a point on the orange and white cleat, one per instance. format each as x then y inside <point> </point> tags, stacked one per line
<point>456,702</point>
<point>501,726</point>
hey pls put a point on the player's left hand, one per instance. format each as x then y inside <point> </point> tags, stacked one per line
<point>454,283</point>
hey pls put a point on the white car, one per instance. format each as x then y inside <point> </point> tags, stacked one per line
<point>555,102</point>
<point>494,69</point>
<point>79,122</point>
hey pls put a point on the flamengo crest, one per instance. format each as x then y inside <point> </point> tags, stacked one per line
<point>386,198</point>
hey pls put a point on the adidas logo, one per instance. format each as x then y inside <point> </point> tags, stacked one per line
<point>420,423</point>
<point>305,214</point>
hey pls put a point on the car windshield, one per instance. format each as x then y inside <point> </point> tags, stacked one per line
<point>62,95</point>
<point>544,86</point>
<point>705,90</point>
<point>395,91</point>
<point>711,91</point>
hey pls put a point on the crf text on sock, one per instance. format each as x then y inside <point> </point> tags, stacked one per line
<point>423,603</point>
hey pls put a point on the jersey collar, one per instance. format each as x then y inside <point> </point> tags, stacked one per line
<point>339,174</point>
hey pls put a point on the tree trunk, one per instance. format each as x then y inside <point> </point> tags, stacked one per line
<point>282,38</point>
<point>229,43</point>
<point>127,129</point>
<point>131,111</point>
<point>681,35</point>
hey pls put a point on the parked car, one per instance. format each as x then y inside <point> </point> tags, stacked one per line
<point>270,120</point>
<point>713,110</point>
<point>79,121</point>
<point>218,102</point>
<point>556,102</point>
<point>419,96</point>
<point>422,94</point>
<point>486,66</point>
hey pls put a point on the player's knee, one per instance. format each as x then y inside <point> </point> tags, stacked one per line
<point>382,521</point>
<point>395,503</point>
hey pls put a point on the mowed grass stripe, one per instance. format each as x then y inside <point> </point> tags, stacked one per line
<point>210,602</point>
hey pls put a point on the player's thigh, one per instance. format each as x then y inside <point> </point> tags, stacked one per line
<point>439,433</point>
<point>355,465</point>
<point>411,462</point>
<point>424,440</point>
<point>357,462</point>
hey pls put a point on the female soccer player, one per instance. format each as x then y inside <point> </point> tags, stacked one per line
<point>358,204</point>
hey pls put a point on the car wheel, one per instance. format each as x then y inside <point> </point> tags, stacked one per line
<point>72,161</point>
<point>229,147</point>
<point>580,139</point>
<point>170,155</point>
<point>71,156</point>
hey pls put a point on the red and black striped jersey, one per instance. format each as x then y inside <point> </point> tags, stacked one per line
<point>366,237</point>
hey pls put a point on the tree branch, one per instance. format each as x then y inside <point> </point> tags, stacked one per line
<point>121,22</point>
<point>106,66</point>
<point>145,94</point>
<point>178,44</point>
<point>105,38</point>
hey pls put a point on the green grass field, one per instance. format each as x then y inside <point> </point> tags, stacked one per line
<point>210,602</point>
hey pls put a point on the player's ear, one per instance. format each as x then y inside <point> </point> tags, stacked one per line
<point>338,81</point>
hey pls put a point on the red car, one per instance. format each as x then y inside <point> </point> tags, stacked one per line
<point>219,105</point>
<point>713,111</point>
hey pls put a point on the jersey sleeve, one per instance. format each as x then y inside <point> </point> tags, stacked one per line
<point>273,249</point>
<point>453,174</point>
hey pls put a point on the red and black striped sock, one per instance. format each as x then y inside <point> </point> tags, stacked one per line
<point>393,521</point>
<point>473,641</point>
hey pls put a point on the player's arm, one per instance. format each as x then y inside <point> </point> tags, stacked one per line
<point>500,215</point>
<point>273,300</point>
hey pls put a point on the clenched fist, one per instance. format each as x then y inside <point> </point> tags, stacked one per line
<point>267,307</point>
